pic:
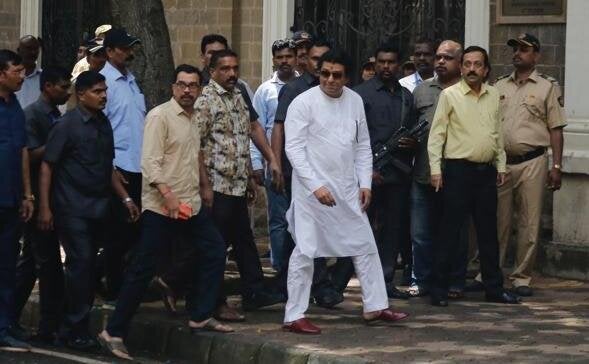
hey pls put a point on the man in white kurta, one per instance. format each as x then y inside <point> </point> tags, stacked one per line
<point>328,145</point>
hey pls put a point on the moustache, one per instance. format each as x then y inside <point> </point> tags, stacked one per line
<point>232,79</point>
<point>130,58</point>
<point>471,73</point>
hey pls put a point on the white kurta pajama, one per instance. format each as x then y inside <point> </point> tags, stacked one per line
<point>328,145</point>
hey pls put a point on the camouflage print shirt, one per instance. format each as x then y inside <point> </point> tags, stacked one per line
<point>225,128</point>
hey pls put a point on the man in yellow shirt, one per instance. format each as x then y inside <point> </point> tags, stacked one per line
<point>467,163</point>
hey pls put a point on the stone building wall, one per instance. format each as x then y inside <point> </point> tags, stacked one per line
<point>9,24</point>
<point>551,37</point>
<point>240,21</point>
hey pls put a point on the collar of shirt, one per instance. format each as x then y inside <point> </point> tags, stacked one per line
<point>532,77</point>
<point>310,79</point>
<point>178,110</point>
<point>111,71</point>
<point>221,90</point>
<point>465,88</point>
<point>417,78</point>
<point>275,79</point>
<point>36,72</point>
<point>11,100</point>
<point>48,109</point>
<point>87,115</point>
<point>379,85</point>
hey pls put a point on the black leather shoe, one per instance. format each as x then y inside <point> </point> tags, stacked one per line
<point>505,297</point>
<point>9,343</point>
<point>82,343</point>
<point>524,291</point>
<point>393,292</point>
<point>261,299</point>
<point>406,280</point>
<point>474,286</point>
<point>438,301</point>
<point>328,299</point>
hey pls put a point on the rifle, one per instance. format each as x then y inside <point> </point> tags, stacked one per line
<point>384,159</point>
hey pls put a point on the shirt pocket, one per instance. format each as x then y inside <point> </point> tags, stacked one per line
<point>88,151</point>
<point>535,106</point>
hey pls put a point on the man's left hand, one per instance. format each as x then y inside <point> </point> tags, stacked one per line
<point>26,210</point>
<point>277,177</point>
<point>133,211</point>
<point>500,179</point>
<point>365,198</point>
<point>408,143</point>
<point>252,191</point>
<point>554,179</point>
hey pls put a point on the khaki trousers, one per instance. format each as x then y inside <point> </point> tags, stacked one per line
<point>523,188</point>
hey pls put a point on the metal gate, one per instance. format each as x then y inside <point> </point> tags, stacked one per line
<point>64,24</point>
<point>359,26</point>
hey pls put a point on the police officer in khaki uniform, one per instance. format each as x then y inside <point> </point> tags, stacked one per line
<point>531,107</point>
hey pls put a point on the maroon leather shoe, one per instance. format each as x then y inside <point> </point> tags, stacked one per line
<point>302,326</point>
<point>388,316</point>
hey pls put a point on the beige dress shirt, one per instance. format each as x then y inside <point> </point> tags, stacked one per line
<point>466,126</point>
<point>171,145</point>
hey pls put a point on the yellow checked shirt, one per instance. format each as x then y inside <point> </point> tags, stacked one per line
<point>171,144</point>
<point>528,111</point>
<point>466,126</point>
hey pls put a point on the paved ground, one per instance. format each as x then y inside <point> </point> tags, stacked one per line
<point>552,326</point>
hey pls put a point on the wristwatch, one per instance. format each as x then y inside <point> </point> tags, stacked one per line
<point>30,197</point>
<point>557,166</point>
<point>127,200</point>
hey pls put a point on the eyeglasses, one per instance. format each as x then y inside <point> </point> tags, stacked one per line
<point>336,75</point>
<point>193,86</point>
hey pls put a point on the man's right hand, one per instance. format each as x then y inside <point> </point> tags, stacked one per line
<point>172,204</point>
<point>258,176</point>
<point>121,177</point>
<point>324,196</point>
<point>436,181</point>
<point>45,219</point>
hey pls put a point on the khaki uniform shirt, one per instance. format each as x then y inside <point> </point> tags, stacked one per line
<point>466,126</point>
<point>225,134</point>
<point>171,144</point>
<point>528,111</point>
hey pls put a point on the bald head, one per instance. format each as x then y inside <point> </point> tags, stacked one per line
<point>447,61</point>
<point>28,48</point>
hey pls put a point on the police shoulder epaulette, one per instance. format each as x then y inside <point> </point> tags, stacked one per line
<point>502,77</point>
<point>548,78</point>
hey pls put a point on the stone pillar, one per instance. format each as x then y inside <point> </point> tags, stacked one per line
<point>476,23</point>
<point>567,255</point>
<point>30,17</point>
<point>278,17</point>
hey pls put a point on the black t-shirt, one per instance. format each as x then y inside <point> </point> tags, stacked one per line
<point>285,97</point>
<point>386,111</point>
<point>80,148</point>
<point>40,117</point>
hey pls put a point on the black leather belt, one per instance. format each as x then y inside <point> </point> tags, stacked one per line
<point>517,159</point>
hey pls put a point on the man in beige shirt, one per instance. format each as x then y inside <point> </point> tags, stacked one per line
<point>467,162</point>
<point>531,107</point>
<point>171,164</point>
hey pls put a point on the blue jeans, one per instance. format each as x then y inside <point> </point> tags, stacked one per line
<point>9,248</point>
<point>278,203</point>
<point>426,211</point>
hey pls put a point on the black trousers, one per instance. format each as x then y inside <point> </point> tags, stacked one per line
<point>123,235</point>
<point>206,274</point>
<point>469,188</point>
<point>388,215</point>
<point>231,217</point>
<point>79,237</point>
<point>10,226</point>
<point>40,259</point>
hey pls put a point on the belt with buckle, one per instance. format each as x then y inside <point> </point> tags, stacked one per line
<point>517,159</point>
